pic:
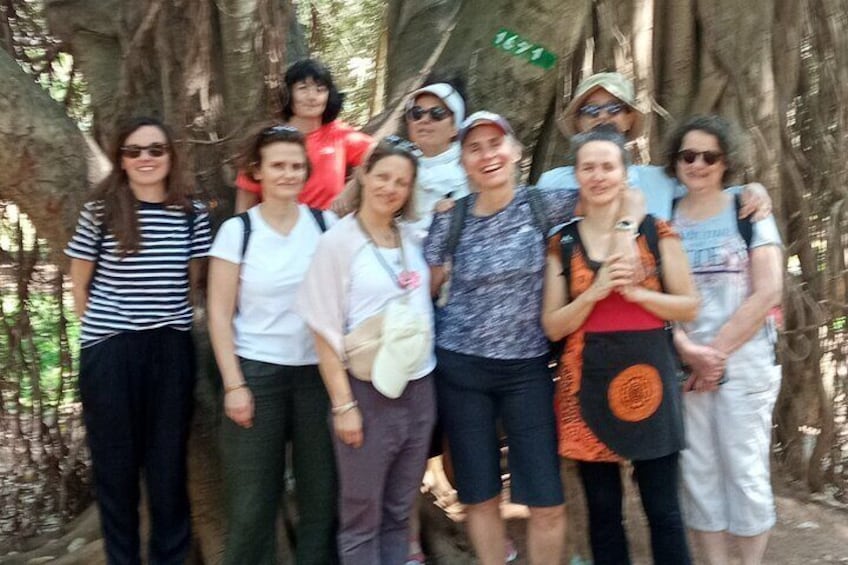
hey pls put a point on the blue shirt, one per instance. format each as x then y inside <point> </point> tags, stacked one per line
<point>495,305</point>
<point>659,189</point>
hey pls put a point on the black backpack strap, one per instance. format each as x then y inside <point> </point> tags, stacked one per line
<point>245,221</point>
<point>648,228</point>
<point>674,204</point>
<point>457,222</point>
<point>537,208</point>
<point>744,225</point>
<point>569,239</point>
<point>319,218</point>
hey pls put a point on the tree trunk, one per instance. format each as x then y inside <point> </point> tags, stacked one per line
<point>210,68</point>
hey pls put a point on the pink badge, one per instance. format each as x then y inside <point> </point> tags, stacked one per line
<point>409,279</point>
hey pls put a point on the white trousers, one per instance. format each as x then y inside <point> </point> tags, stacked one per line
<point>725,466</point>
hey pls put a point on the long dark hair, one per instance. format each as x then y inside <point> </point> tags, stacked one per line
<point>314,69</point>
<point>119,204</point>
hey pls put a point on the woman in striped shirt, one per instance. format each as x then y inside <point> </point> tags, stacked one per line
<point>136,253</point>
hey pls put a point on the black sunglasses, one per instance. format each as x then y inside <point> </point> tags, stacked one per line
<point>275,130</point>
<point>401,143</point>
<point>437,113</point>
<point>690,156</point>
<point>611,108</point>
<point>135,151</point>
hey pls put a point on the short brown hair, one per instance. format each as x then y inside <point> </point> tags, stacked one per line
<point>249,157</point>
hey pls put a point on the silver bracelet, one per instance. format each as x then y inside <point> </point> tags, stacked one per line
<point>343,408</point>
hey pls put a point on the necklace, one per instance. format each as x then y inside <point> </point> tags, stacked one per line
<point>405,279</point>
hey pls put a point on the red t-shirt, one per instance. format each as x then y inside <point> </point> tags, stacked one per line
<point>331,149</point>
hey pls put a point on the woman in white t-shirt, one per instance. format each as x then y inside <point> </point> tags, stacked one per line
<point>273,392</point>
<point>369,272</point>
<point>729,348</point>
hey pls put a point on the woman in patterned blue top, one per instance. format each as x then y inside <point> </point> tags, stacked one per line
<point>492,353</point>
<point>135,255</point>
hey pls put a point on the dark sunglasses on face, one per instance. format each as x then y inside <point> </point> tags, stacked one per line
<point>135,151</point>
<point>401,143</point>
<point>611,108</point>
<point>437,113</point>
<point>689,156</point>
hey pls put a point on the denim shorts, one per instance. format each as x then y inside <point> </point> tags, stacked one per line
<point>475,394</point>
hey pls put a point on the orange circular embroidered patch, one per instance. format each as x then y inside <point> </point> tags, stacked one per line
<point>635,393</point>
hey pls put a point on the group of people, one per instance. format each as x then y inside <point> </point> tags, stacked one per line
<point>347,336</point>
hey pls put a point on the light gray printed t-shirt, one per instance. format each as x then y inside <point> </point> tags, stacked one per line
<point>721,268</point>
<point>495,303</point>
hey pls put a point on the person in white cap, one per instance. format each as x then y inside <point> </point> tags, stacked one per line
<point>610,98</point>
<point>491,350</point>
<point>433,115</point>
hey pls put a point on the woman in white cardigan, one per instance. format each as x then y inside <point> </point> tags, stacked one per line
<point>369,272</point>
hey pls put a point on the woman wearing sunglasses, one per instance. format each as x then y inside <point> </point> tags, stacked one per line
<point>609,98</point>
<point>312,104</point>
<point>366,299</point>
<point>136,254</point>
<point>434,113</point>
<point>273,393</point>
<point>729,348</point>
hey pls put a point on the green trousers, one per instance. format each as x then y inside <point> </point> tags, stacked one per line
<point>291,405</point>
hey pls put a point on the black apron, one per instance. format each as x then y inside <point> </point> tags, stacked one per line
<point>629,393</point>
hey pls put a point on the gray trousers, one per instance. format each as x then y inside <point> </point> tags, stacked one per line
<point>379,481</point>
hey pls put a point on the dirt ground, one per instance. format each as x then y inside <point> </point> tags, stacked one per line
<point>807,531</point>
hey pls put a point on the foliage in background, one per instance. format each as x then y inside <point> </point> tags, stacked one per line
<point>43,460</point>
<point>24,33</point>
<point>345,35</point>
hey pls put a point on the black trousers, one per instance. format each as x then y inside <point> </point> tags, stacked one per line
<point>658,486</point>
<point>137,396</point>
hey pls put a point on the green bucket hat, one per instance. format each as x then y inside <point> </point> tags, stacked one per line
<point>614,83</point>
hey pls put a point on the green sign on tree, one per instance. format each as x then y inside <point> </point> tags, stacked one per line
<point>514,44</point>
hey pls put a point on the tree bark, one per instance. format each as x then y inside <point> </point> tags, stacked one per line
<point>42,167</point>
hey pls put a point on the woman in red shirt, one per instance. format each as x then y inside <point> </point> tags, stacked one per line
<point>333,147</point>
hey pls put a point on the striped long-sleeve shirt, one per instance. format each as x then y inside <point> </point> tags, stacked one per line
<point>143,290</point>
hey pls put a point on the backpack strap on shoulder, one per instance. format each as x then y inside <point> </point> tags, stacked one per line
<point>457,222</point>
<point>319,218</point>
<point>648,228</point>
<point>245,221</point>
<point>537,208</point>
<point>569,239</point>
<point>744,225</point>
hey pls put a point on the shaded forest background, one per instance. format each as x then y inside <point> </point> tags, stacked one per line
<point>71,69</point>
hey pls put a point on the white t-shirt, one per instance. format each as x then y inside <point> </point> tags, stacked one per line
<point>372,288</point>
<point>266,326</point>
